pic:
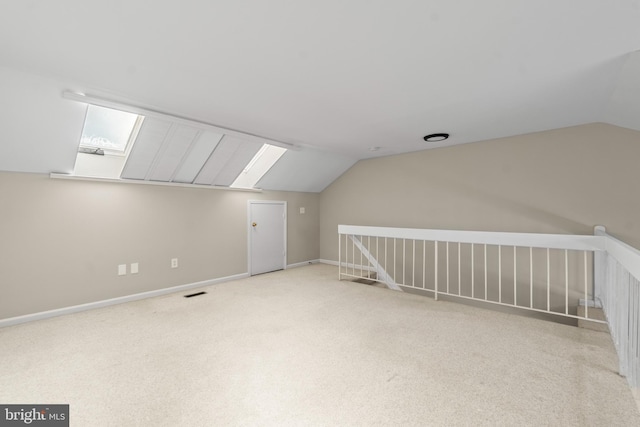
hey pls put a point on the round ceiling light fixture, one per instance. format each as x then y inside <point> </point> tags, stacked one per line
<point>436,137</point>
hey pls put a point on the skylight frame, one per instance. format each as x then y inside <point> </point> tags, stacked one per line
<point>130,139</point>
<point>260,164</point>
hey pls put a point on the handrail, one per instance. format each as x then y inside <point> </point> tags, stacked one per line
<point>535,240</point>
<point>625,254</point>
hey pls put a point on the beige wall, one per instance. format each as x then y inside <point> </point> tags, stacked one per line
<point>61,241</point>
<point>561,181</point>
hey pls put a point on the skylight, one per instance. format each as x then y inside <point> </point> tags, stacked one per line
<point>107,129</point>
<point>258,166</point>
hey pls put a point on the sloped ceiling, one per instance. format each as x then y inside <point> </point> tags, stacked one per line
<point>331,77</point>
<point>305,170</point>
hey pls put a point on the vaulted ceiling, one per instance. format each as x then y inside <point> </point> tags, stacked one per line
<point>332,78</point>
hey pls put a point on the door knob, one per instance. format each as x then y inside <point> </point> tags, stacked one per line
<point>253,224</point>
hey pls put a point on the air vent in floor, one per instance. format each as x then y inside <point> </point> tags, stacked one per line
<point>367,280</point>
<point>194,295</point>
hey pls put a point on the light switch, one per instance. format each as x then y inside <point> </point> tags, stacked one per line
<point>134,268</point>
<point>302,211</point>
<point>122,269</point>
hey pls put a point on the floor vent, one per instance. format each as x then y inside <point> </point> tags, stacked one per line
<point>195,295</point>
<point>370,280</point>
<point>365,281</point>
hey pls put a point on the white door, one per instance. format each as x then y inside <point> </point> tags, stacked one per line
<point>267,236</point>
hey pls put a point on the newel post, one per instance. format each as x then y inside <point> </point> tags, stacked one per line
<point>599,266</point>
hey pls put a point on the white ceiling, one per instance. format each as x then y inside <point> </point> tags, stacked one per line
<point>335,77</point>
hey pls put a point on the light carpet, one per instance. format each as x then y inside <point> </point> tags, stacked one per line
<point>299,347</point>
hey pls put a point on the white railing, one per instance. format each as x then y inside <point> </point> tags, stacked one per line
<point>563,275</point>
<point>617,281</point>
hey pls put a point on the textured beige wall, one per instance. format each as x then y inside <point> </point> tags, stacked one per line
<point>561,181</point>
<point>61,241</point>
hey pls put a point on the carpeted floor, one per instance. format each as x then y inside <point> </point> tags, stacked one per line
<point>298,347</point>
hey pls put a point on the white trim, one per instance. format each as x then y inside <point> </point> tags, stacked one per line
<point>142,182</point>
<point>303,263</point>
<point>535,240</point>
<point>114,301</point>
<point>102,102</point>
<point>328,261</point>
<point>249,232</point>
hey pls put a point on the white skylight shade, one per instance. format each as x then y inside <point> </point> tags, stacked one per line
<point>258,166</point>
<point>107,129</point>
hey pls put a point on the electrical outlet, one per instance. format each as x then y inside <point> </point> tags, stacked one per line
<point>134,268</point>
<point>174,262</point>
<point>122,269</point>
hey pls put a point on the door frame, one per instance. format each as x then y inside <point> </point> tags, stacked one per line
<point>250,233</point>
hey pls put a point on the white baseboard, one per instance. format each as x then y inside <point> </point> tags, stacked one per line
<point>328,261</point>
<point>113,301</point>
<point>303,263</point>
<point>119,300</point>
